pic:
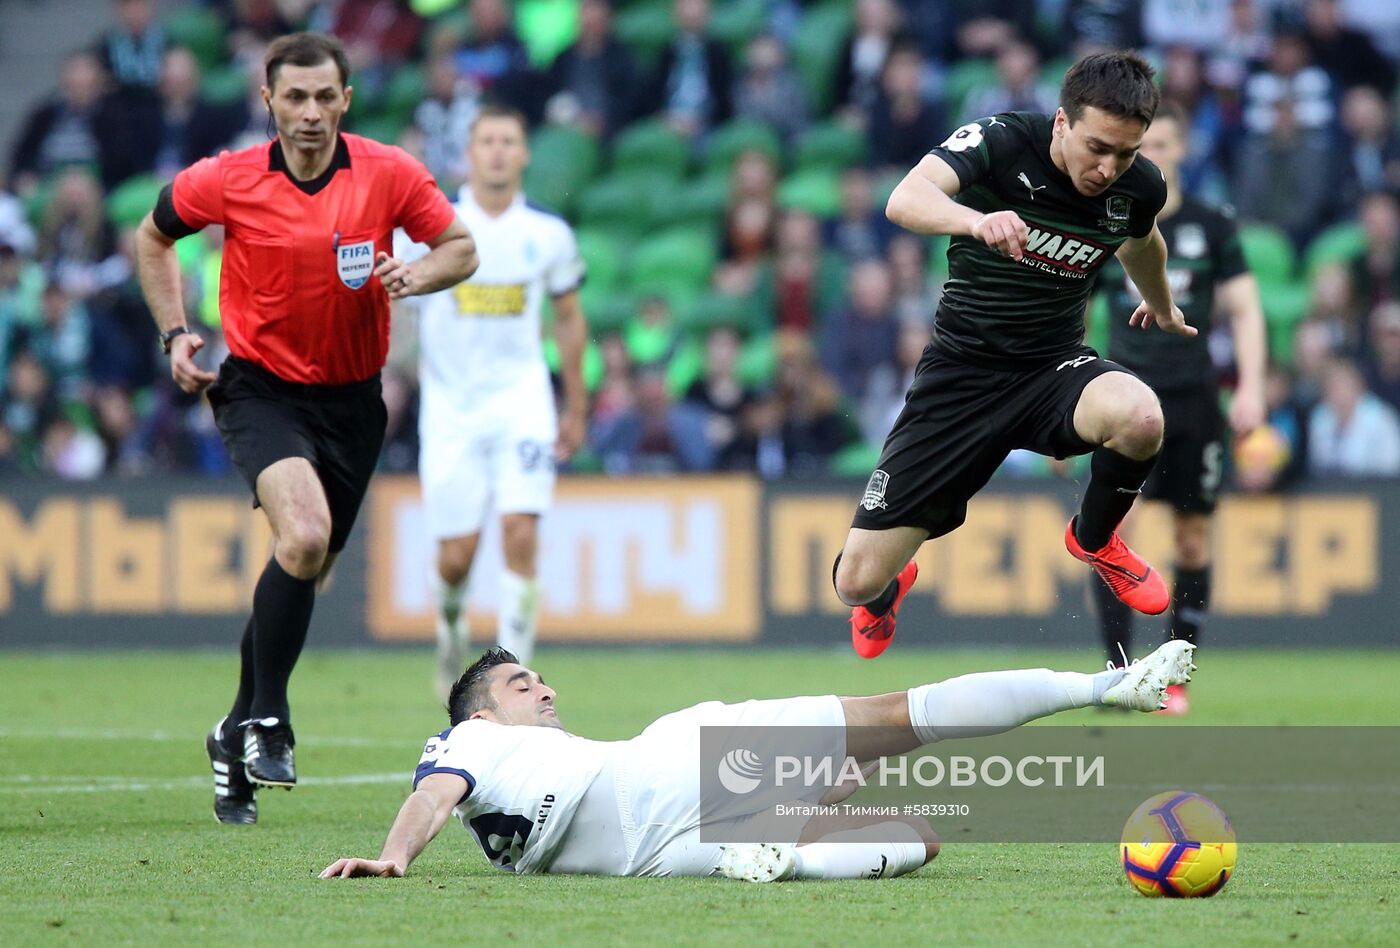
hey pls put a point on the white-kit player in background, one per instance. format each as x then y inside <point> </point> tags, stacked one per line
<point>489,432</point>
<point>539,799</point>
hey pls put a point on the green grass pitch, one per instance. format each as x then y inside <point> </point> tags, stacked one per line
<point>108,835</point>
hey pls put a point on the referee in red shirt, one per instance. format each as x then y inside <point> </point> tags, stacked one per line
<point>308,273</point>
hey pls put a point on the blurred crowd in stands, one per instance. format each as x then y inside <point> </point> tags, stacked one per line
<point>772,318</point>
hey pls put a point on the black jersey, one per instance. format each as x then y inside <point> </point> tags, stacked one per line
<point>1203,251</point>
<point>1003,313</point>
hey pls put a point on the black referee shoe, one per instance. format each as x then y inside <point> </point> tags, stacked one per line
<point>233,794</point>
<point>267,753</point>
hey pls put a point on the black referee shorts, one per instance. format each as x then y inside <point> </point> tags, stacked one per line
<point>959,422</point>
<point>1192,463</point>
<point>338,428</point>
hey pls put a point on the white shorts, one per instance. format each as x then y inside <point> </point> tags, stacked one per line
<point>657,780</point>
<point>466,475</point>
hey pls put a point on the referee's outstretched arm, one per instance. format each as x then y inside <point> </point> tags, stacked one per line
<point>159,270</point>
<point>451,260</point>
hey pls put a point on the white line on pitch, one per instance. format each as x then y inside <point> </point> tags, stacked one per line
<point>184,783</point>
<point>133,734</point>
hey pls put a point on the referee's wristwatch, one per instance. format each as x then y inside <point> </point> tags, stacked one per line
<point>167,337</point>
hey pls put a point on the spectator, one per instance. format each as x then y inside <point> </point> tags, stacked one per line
<point>878,24</point>
<point>719,391</point>
<point>652,336</point>
<point>1352,433</point>
<point>1290,88</point>
<point>813,426</point>
<point>614,396</point>
<point>10,466</point>
<point>1348,55</point>
<point>492,57</point>
<point>1197,24</point>
<point>1096,26</point>
<point>379,36</point>
<point>758,443</point>
<point>750,224</point>
<point>769,89</point>
<point>803,278</point>
<point>693,83</point>
<point>15,231</point>
<point>62,341</point>
<point>915,295</point>
<point>77,244</point>
<point>1383,357</point>
<point>445,118</point>
<point>1371,155</point>
<point>21,290</point>
<point>30,406</point>
<point>885,397</point>
<point>1019,88</point>
<point>119,431</point>
<point>81,125</point>
<point>72,453</point>
<point>654,436</point>
<point>1380,21</point>
<point>187,127</point>
<point>983,27</point>
<point>1376,275</point>
<point>1333,306</point>
<point>1283,176</point>
<point>594,81</point>
<point>252,24</point>
<point>400,452</point>
<point>1203,173</point>
<point>859,341</point>
<point>132,51</point>
<point>862,231</point>
<point>122,328</point>
<point>903,125</point>
<point>1243,47</point>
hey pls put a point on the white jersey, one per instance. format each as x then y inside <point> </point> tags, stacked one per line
<point>482,356</point>
<point>523,785</point>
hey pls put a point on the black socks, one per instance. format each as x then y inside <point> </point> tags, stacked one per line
<point>1115,621</point>
<point>281,615</point>
<point>1114,483</point>
<point>1190,600</point>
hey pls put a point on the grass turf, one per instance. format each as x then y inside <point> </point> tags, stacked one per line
<point>105,814</point>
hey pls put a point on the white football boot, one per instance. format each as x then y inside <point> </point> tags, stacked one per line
<point>759,862</point>
<point>1145,681</point>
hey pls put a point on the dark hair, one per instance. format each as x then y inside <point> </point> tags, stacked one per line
<point>471,693</point>
<point>1170,110</point>
<point>305,49</point>
<point>1118,83</point>
<point>493,110</point>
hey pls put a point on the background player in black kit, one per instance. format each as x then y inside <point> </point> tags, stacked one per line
<point>1036,205</point>
<point>1206,266</point>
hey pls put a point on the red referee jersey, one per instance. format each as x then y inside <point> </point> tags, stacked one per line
<point>296,293</point>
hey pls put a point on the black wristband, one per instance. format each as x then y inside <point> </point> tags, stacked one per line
<point>167,337</point>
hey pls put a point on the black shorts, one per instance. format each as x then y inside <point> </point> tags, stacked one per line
<point>1189,469</point>
<point>338,428</point>
<point>959,423</point>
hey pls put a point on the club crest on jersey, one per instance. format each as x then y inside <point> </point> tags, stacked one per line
<point>875,491</point>
<point>1119,210</point>
<point>354,263</point>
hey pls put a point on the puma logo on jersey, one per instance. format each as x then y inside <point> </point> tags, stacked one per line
<point>1030,187</point>
<point>993,123</point>
<point>1074,364</point>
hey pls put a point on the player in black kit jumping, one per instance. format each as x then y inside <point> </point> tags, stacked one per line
<point>1036,205</point>
<point>1207,267</point>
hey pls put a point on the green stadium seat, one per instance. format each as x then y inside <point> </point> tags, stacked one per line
<point>650,343</point>
<point>607,312</point>
<point>226,85</point>
<point>817,192</point>
<point>856,460</point>
<point>645,28</point>
<point>201,31</point>
<point>829,146</point>
<point>651,147</point>
<point>963,79</point>
<point>758,360</point>
<point>562,161</point>
<point>1341,243</point>
<point>737,136</point>
<point>132,200</point>
<point>405,90</point>
<point>1268,252</point>
<point>736,22</point>
<point>816,47</point>
<point>1285,306</point>
<point>621,203</point>
<point>684,367</point>
<point>380,128</point>
<point>603,258</point>
<point>676,260</point>
<point>719,309</point>
<point>697,201</point>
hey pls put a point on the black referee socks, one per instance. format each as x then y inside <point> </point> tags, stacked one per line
<point>1114,483</point>
<point>1190,602</point>
<point>281,615</point>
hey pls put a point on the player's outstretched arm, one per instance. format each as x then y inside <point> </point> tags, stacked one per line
<point>923,203</point>
<point>422,816</point>
<point>571,335</point>
<point>158,269</point>
<point>1240,297</point>
<point>1145,259</point>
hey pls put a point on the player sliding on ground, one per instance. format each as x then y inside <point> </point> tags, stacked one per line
<point>1035,205</point>
<point>539,799</point>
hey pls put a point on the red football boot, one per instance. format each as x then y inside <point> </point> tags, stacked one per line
<point>1130,576</point>
<point>1177,702</point>
<point>872,634</point>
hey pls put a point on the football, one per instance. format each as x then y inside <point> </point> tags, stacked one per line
<point>1178,844</point>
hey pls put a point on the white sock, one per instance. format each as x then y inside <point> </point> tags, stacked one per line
<point>882,851</point>
<point>452,627</point>
<point>518,615</point>
<point>992,702</point>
